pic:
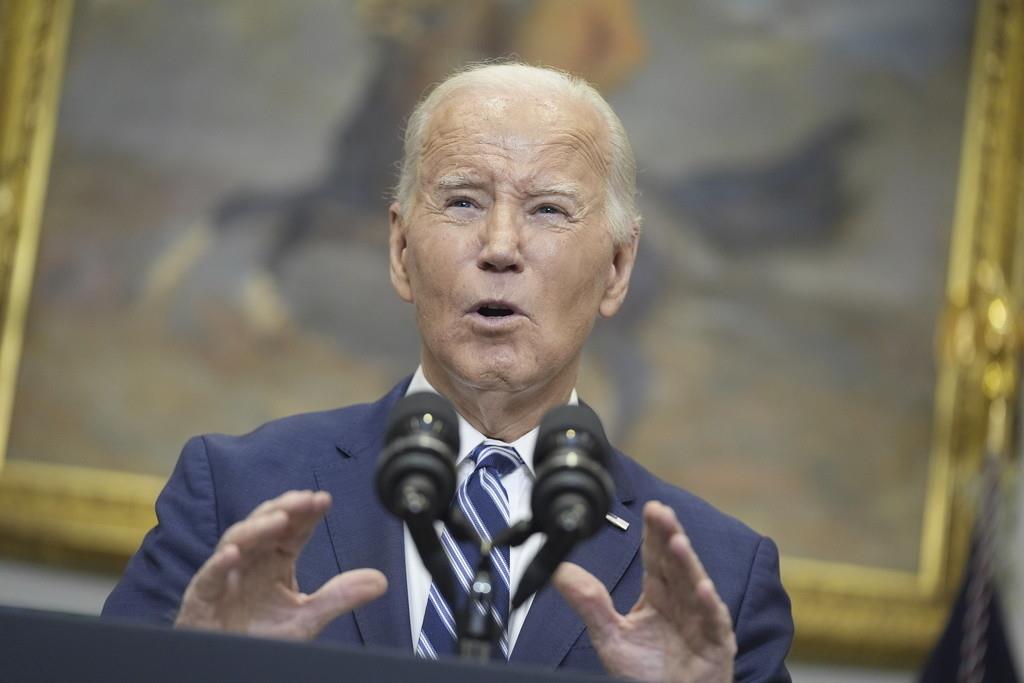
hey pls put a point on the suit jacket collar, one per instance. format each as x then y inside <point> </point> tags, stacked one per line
<point>552,627</point>
<point>364,534</point>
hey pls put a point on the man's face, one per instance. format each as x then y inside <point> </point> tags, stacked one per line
<point>505,250</point>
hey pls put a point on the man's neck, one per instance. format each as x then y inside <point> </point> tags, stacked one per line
<point>500,413</point>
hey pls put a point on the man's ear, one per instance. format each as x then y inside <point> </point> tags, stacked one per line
<point>619,271</point>
<point>396,253</point>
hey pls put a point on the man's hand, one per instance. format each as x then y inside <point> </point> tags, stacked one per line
<point>679,630</point>
<point>248,585</point>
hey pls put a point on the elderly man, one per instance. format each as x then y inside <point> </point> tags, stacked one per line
<point>513,228</point>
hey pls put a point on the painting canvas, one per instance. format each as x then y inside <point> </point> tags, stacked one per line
<point>213,247</point>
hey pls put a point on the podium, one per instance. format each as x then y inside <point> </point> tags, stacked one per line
<point>49,646</point>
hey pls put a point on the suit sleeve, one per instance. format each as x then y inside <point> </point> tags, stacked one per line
<point>184,537</point>
<point>764,627</point>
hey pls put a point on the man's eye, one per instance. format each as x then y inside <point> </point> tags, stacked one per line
<point>549,209</point>
<point>460,203</point>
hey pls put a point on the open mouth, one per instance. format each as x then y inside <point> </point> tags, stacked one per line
<point>495,311</point>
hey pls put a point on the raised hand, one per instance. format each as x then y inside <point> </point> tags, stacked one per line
<point>679,630</point>
<point>248,585</point>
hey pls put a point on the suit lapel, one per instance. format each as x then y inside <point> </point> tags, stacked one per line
<point>551,626</point>
<point>362,532</point>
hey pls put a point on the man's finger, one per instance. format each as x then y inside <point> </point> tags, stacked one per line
<point>209,586</point>
<point>255,532</point>
<point>304,509</point>
<point>661,518</point>
<point>344,593</point>
<point>682,563</point>
<point>293,501</point>
<point>673,572</point>
<point>717,621</point>
<point>667,550</point>
<point>589,598</point>
<point>302,522</point>
<point>210,582</point>
<point>708,606</point>
<point>658,531</point>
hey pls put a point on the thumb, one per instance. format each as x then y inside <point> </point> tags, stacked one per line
<point>589,598</point>
<point>344,593</point>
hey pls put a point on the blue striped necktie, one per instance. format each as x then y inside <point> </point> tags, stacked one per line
<point>484,502</point>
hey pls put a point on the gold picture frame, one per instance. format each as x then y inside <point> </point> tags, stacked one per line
<point>843,612</point>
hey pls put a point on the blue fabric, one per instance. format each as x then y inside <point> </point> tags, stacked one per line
<point>484,502</point>
<point>219,480</point>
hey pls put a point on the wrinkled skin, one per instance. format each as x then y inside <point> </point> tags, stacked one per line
<point>248,585</point>
<point>510,206</point>
<point>678,631</point>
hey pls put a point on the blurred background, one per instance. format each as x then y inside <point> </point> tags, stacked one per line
<point>216,219</point>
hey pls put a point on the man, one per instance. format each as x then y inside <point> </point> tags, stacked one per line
<point>514,226</point>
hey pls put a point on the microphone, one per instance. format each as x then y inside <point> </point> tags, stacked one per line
<point>416,475</point>
<point>573,491</point>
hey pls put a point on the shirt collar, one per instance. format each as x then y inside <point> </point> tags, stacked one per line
<point>470,438</point>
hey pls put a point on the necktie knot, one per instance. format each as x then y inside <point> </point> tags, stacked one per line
<point>496,456</point>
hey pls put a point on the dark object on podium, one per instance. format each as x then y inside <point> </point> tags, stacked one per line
<point>47,646</point>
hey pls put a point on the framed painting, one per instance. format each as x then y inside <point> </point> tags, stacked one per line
<point>821,332</point>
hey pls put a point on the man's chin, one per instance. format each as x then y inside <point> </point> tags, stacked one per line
<point>487,366</point>
<point>495,379</point>
<point>497,372</point>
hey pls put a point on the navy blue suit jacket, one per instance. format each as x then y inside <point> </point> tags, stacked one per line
<point>220,479</point>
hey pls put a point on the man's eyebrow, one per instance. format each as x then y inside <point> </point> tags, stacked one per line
<point>465,181</point>
<point>458,181</point>
<point>568,190</point>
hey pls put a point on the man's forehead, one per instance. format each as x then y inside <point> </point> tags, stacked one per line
<point>555,126</point>
<point>498,106</point>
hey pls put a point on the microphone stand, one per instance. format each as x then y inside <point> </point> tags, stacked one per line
<point>415,507</point>
<point>477,631</point>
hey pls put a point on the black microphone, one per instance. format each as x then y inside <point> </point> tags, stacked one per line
<point>416,475</point>
<point>573,491</point>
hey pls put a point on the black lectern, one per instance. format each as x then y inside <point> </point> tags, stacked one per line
<point>47,646</point>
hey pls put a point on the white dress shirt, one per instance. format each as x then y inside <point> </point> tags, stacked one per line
<point>517,483</point>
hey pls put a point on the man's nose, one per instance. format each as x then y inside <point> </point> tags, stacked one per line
<point>500,248</point>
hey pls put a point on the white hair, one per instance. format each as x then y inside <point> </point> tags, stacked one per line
<point>620,205</point>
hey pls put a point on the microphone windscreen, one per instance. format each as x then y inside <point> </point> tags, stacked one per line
<point>424,411</point>
<point>564,420</point>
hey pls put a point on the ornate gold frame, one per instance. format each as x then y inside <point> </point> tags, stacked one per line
<point>843,612</point>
